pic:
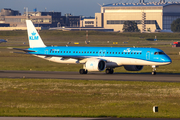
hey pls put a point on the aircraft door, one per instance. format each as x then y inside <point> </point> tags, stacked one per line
<point>148,55</point>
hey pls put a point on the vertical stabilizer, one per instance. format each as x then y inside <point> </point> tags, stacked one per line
<point>33,36</point>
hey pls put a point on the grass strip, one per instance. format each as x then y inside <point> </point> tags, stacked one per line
<point>88,98</point>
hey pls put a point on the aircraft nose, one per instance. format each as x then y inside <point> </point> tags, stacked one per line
<point>167,59</point>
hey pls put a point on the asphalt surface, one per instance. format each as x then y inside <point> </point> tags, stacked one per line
<point>67,118</point>
<point>159,77</point>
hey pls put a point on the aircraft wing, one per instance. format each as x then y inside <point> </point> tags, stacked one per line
<point>63,57</point>
<point>79,58</point>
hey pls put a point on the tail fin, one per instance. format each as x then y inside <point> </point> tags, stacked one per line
<point>33,36</point>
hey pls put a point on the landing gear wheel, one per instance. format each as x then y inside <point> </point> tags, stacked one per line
<point>83,71</point>
<point>109,71</point>
<point>153,72</point>
<point>112,71</point>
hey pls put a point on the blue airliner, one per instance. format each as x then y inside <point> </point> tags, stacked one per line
<point>96,58</point>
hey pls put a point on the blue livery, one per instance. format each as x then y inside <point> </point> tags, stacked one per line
<point>96,58</point>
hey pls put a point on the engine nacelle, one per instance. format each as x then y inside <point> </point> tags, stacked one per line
<point>95,65</point>
<point>133,67</point>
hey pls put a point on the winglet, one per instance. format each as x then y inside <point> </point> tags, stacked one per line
<point>33,36</point>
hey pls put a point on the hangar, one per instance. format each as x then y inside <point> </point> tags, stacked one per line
<point>149,16</point>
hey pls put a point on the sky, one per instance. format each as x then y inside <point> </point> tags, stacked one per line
<point>75,7</point>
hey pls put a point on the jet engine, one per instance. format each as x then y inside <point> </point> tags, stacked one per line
<point>95,65</point>
<point>133,67</point>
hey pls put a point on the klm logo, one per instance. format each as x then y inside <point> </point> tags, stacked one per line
<point>127,50</point>
<point>33,37</point>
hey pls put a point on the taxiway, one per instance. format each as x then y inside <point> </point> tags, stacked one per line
<point>160,77</point>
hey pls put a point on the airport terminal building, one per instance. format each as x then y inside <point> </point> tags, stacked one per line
<point>148,15</point>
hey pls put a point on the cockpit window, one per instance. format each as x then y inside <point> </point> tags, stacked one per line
<point>159,53</point>
<point>156,53</point>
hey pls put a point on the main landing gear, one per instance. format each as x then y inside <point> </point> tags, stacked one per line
<point>153,70</point>
<point>83,71</point>
<point>109,71</point>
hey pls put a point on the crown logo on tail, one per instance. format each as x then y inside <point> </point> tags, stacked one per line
<point>33,34</point>
<point>33,37</point>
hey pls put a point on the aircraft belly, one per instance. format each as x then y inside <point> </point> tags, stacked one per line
<point>132,61</point>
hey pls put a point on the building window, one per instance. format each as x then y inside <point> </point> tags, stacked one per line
<point>136,21</point>
<point>89,22</point>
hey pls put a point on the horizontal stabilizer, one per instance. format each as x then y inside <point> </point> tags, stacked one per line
<point>19,52</point>
<point>25,50</point>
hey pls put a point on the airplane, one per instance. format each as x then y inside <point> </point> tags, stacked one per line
<point>2,40</point>
<point>96,58</point>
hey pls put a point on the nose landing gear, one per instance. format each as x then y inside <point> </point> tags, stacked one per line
<point>154,70</point>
